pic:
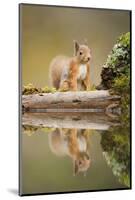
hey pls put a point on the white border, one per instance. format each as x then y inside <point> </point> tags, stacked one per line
<point>9,98</point>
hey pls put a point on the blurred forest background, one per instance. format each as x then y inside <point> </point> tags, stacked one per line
<point>49,31</point>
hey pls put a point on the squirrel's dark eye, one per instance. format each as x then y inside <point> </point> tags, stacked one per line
<point>80,53</point>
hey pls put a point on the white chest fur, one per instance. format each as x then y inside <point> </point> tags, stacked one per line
<point>82,71</point>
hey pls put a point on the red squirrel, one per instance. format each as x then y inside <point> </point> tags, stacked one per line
<point>73,143</point>
<point>72,73</point>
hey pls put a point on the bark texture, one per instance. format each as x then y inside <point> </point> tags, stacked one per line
<point>93,101</point>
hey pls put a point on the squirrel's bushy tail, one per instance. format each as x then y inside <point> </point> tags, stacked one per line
<point>55,70</point>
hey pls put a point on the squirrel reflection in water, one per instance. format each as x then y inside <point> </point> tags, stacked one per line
<point>73,143</point>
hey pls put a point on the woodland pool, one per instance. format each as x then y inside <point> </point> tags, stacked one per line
<point>52,158</point>
<point>70,152</point>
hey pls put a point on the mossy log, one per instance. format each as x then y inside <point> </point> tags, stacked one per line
<point>96,121</point>
<point>91,101</point>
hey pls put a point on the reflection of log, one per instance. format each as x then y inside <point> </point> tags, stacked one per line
<point>93,101</point>
<point>69,120</point>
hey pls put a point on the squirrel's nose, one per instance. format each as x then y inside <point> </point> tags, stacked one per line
<point>88,58</point>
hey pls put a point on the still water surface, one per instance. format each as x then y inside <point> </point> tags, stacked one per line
<point>59,159</point>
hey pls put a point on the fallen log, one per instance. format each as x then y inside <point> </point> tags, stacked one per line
<point>96,121</point>
<point>91,101</point>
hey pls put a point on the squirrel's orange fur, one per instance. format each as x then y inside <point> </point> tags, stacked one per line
<point>72,73</point>
<point>73,143</point>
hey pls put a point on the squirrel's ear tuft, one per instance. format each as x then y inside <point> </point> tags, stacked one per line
<point>76,47</point>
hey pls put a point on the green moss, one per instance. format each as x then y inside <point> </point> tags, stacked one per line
<point>116,146</point>
<point>48,90</point>
<point>92,88</point>
<point>115,74</point>
<point>63,90</point>
<point>30,129</point>
<point>31,89</point>
<point>119,58</point>
<point>116,77</point>
<point>117,65</point>
<point>47,129</point>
